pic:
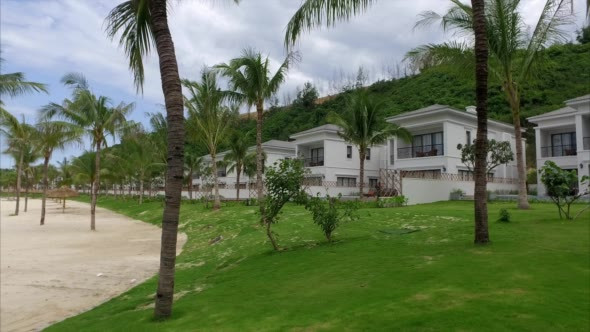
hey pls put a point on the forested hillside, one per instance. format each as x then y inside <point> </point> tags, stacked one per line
<point>565,75</point>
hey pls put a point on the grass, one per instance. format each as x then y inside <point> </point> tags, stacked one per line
<point>534,276</point>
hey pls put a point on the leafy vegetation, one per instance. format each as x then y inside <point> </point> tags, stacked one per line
<point>376,276</point>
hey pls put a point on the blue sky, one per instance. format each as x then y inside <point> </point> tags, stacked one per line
<point>46,39</point>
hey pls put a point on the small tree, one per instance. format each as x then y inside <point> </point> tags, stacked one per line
<point>327,215</point>
<point>499,153</point>
<point>561,187</point>
<point>283,183</point>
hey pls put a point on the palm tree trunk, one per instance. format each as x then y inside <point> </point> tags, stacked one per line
<point>216,202</point>
<point>523,202</point>
<point>362,155</point>
<point>175,159</point>
<point>27,195</point>
<point>96,187</point>
<point>238,170</point>
<point>481,94</point>
<point>19,170</point>
<point>190,184</point>
<point>45,185</point>
<point>259,157</point>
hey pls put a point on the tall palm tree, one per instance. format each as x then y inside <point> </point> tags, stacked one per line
<point>209,120</point>
<point>96,116</point>
<point>50,136</point>
<point>193,164</point>
<point>514,53</point>
<point>250,78</point>
<point>18,134</point>
<point>363,125</point>
<point>236,157</point>
<point>142,25</point>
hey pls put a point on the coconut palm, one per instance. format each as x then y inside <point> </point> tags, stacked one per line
<point>236,156</point>
<point>209,120</point>
<point>96,115</point>
<point>514,53</point>
<point>250,78</point>
<point>50,136</point>
<point>18,135</point>
<point>362,125</point>
<point>193,164</point>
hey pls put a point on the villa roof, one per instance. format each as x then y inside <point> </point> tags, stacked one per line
<point>442,108</point>
<point>327,128</point>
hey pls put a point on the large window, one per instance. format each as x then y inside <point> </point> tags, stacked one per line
<point>345,182</point>
<point>563,144</point>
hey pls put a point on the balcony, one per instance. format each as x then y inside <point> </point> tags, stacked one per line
<point>420,151</point>
<point>586,143</point>
<point>559,151</point>
<point>313,162</point>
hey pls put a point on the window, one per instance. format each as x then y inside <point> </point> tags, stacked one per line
<point>427,145</point>
<point>373,183</point>
<point>345,182</point>
<point>563,144</point>
<point>348,151</point>
<point>368,156</point>
<point>468,137</point>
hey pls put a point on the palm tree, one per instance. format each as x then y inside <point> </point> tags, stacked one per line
<point>52,135</point>
<point>94,114</point>
<point>143,24</point>
<point>514,53</point>
<point>250,78</point>
<point>208,119</point>
<point>236,157</point>
<point>18,134</point>
<point>193,164</point>
<point>15,84</point>
<point>363,126</point>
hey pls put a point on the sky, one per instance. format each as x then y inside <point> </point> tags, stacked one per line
<point>49,38</point>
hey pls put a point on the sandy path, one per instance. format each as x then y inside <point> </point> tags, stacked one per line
<point>48,273</point>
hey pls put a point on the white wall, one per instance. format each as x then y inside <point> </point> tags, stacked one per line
<point>419,191</point>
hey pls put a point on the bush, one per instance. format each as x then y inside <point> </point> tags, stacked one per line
<point>328,213</point>
<point>396,201</point>
<point>504,216</point>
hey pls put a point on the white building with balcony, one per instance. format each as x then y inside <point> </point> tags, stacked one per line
<point>334,163</point>
<point>563,136</point>
<point>437,130</point>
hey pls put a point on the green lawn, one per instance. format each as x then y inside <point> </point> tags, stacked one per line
<point>534,276</point>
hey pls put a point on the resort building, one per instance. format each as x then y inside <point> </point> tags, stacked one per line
<point>437,132</point>
<point>563,136</point>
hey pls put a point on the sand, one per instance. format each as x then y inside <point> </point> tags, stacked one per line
<point>51,272</point>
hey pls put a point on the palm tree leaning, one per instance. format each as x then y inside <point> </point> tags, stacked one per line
<point>93,114</point>
<point>514,54</point>
<point>236,156</point>
<point>363,126</point>
<point>250,78</point>
<point>141,25</point>
<point>209,120</point>
<point>50,136</point>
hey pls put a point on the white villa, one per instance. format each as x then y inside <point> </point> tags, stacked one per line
<point>437,130</point>
<point>563,136</point>
<point>430,165</point>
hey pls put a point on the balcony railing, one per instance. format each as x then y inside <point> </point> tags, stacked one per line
<point>558,151</point>
<point>586,143</point>
<point>420,151</point>
<point>313,162</point>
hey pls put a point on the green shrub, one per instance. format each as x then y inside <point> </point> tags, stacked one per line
<point>396,201</point>
<point>328,213</point>
<point>504,216</point>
